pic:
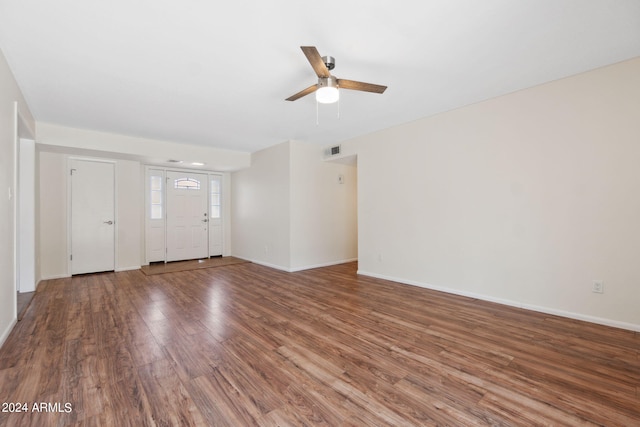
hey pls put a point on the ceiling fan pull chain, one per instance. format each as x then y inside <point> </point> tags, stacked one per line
<point>317,114</point>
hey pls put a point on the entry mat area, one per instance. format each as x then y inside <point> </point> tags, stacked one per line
<point>194,264</point>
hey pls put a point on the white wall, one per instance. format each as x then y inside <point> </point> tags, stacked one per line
<point>260,208</point>
<point>323,211</point>
<point>524,199</point>
<point>53,227</point>
<point>9,95</point>
<point>290,212</point>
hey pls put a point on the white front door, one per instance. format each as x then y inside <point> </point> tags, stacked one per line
<point>187,219</point>
<point>92,216</point>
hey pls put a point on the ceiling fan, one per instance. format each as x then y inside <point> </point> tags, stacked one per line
<point>327,87</point>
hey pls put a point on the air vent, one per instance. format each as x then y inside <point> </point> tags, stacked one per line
<point>332,151</point>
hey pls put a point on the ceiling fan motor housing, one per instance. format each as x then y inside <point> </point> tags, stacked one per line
<point>329,62</point>
<point>327,82</point>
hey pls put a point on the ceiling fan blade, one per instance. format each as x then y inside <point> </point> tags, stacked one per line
<point>316,61</point>
<point>365,87</point>
<point>303,92</point>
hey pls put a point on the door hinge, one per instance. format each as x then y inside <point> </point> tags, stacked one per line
<point>70,257</point>
<point>71,171</point>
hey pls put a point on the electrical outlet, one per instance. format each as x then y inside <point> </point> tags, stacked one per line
<point>598,287</point>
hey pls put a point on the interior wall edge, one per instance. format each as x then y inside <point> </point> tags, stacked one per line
<point>325,264</point>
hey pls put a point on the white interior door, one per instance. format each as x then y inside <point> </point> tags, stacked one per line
<point>215,215</point>
<point>187,219</point>
<point>92,216</point>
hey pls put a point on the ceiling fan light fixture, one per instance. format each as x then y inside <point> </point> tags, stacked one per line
<point>327,92</point>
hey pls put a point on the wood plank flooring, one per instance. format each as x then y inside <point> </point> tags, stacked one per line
<point>194,264</point>
<point>246,345</point>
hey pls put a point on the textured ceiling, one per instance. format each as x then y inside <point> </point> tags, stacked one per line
<point>217,73</point>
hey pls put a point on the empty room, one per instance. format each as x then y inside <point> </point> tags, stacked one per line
<point>284,213</point>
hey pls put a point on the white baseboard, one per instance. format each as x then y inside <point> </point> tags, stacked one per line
<point>540,309</point>
<point>265,264</point>
<point>7,331</point>
<point>55,276</point>
<point>65,276</point>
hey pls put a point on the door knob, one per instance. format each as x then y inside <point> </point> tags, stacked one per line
<point>108,222</point>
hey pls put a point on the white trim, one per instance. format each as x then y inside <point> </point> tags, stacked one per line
<point>7,331</point>
<point>116,218</point>
<point>21,129</point>
<point>26,218</point>
<point>546,310</point>
<point>16,223</point>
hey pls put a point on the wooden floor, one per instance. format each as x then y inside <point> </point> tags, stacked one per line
<point>23,300</point>
<point>247,345</point>
<point>194,264</point>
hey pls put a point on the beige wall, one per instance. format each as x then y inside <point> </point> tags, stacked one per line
<point>524,199</point>
<point>260,208</point>
<point>53,203</point>
<point>9,95</point>
<point>290,212</point>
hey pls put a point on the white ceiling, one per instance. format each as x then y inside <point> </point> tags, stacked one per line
<point>217,73</point>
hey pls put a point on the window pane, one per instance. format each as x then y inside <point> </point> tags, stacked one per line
<point>186,184</point>
<point>215,211</point>
<point>215,199</point>
<point>156,212</point>
<point>215,185</point>
<point>156,183</point>
<point>156,198</point>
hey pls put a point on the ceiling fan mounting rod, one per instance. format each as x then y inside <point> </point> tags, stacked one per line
<point>329,62</point>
